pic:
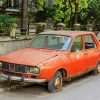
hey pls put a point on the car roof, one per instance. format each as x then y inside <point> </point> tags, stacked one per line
<point>67,33</point>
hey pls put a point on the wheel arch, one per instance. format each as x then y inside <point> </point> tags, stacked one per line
<point>63,72</point>
<point>98,62</point>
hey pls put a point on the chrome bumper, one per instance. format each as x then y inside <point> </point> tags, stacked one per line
<point>15,78</point>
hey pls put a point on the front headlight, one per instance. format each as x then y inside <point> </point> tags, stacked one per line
<point>0,65</point>
<point>34,70</point>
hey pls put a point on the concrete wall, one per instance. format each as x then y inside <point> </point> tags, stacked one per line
<point>9,46</point>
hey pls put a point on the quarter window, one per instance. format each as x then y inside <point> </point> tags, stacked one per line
<point>89,43</point>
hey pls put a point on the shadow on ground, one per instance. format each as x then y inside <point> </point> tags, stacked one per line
<point>37,89</point>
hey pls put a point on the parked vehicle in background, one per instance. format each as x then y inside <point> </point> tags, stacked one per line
<point>53,57</point>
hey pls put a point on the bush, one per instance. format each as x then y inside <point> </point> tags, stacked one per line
<point>6,23</point>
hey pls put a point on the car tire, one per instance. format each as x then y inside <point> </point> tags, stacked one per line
<point>97,69</point>
<point>55,84</point>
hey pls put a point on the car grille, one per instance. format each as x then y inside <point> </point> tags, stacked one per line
<point>14,67</point>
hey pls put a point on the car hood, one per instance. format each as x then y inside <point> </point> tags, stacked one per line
<point>29,56</point>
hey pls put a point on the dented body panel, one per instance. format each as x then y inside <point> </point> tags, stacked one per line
<point>73,63</point>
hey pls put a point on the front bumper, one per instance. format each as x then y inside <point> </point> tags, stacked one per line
<point>15,78</point>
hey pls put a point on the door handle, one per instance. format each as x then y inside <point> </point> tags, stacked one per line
<point>85,53</point>
<point>96,50</point>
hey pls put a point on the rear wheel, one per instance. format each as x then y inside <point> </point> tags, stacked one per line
<point>97,70</point>
<point>55,84</point>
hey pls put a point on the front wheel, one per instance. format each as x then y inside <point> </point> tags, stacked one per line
<point>55,84</point>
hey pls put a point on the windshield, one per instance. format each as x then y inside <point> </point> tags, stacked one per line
<point>56,42</point>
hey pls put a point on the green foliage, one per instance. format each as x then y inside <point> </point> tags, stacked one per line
<point>64,10</point>
<point>61,10</point>
<point>41,4</point>
<point>92,13</point>
<point>83,5</point>
<point>6,23</point>
<point>59,2</point>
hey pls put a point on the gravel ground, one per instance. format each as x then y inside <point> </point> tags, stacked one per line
<point>83,88</point>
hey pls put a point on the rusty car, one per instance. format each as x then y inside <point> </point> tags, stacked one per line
<point>52,57</point>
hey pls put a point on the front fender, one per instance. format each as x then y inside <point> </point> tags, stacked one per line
<point>51,66</point>
<point>47,73</point>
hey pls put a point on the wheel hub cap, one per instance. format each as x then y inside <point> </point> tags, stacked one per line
<point>57,83</point>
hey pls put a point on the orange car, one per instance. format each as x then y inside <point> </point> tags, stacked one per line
<point>52,57</point>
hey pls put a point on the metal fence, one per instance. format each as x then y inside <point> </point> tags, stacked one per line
<point>32,31</point>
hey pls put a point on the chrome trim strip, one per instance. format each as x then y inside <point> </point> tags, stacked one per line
<point>15,78</point>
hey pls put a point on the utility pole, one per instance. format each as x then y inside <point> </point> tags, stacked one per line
<point>24,17</point>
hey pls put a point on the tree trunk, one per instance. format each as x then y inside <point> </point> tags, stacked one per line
<point>76,12</point>
<point>24,17</point>
<point>70,22</point>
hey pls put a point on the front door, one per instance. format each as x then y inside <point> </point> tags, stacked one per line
<point>77,57</point>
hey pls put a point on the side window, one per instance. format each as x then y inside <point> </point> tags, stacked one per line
<point>89,43</point>
<point>77,44</point>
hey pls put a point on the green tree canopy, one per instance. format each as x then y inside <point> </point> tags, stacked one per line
<point>62,10</point>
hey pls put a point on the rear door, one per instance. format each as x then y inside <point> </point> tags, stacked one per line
<point>91,52</point>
